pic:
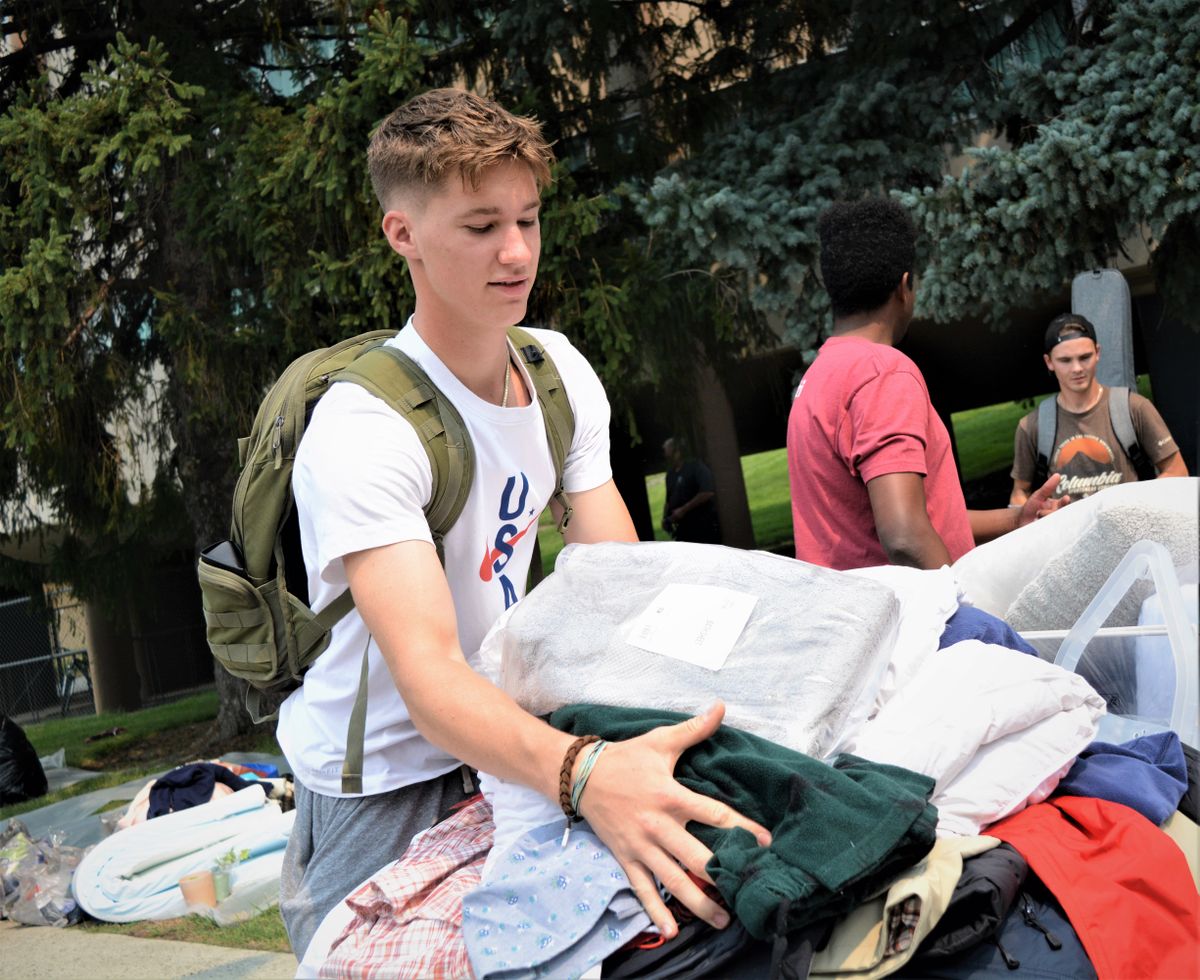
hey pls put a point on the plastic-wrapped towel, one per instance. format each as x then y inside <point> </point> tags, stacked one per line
<point>811,654</point>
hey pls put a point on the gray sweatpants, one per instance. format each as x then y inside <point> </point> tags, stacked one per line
<point>337,844</point>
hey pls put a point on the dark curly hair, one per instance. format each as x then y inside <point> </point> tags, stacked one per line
<point>866,246</point>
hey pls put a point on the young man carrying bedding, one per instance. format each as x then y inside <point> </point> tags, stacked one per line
<point>459,181</point>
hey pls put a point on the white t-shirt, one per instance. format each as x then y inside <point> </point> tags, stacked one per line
<point>361,480</point>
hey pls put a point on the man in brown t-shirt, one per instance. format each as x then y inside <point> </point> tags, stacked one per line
<point>1085,450</point>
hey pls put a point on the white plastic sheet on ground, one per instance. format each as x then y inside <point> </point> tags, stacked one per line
<point>134,874</point>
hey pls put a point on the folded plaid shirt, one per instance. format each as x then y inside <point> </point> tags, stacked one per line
<point>408,916</point>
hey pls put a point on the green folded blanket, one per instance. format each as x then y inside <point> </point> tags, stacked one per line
<point>840,833</point>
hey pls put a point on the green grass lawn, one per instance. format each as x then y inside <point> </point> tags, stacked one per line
<point>766,490</point>
<point>140,731</point>
<point>767,493</point>
<point>150,742</point>
<point>264,931</point>
<point>985,438</point>
<point>71,733</point>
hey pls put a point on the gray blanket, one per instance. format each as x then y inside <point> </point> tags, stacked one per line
<point>1057,596</point>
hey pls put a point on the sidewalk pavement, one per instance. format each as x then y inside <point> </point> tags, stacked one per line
<point>46,953</point>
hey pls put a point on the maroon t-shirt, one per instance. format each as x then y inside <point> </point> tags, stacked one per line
<point>863,411</point>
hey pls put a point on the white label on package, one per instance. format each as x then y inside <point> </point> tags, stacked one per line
<point>698,624</point>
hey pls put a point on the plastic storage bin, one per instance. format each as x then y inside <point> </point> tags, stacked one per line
<point>1113,660</point>
<point>1154,660</point>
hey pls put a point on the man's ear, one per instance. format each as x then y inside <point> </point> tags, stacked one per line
<point>906,294</point>
<point>397,229</point>
<point>1049,363</point>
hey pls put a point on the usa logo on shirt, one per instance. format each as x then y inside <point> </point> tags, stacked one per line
<point>498,552</point>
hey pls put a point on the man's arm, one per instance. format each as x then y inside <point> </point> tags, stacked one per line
<point>1020,492</point>
<point>702,497</point>
<point>1155,438</point>
<point>597,515</point>
<point>989,524</point>
<point>902,522</point>
<point>1173,465</point>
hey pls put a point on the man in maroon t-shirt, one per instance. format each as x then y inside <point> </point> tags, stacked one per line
<point>872,474</point>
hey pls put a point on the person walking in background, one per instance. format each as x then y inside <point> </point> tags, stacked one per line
<point>1093,437</point>
<point>873,478</point>
<point>690,508</point>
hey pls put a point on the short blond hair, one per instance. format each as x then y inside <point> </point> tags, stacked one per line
<point>448,131</point>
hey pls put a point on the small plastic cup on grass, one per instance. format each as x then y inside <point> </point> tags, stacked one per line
<point>199,889</point>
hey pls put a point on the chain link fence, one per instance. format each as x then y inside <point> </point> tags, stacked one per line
<point>44,669</point>
<point>43,658</point>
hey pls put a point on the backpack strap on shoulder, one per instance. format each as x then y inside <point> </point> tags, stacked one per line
<point>1121,417</point>
<point>556,409</point>
<point>392,375</point>
<point>1047,425</point>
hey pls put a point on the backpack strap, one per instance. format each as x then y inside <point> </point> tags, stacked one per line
<point>356,731</point>
<point>390,374</point>
<point>556,409</point>
<point>1121,417</point>
<point>1047,426</point>
<point>311,633</point>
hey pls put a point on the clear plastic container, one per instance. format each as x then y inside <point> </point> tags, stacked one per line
<point>1113,659</point>
<point>1154,659</point>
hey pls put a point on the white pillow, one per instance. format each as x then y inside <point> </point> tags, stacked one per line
<point>995,728</point>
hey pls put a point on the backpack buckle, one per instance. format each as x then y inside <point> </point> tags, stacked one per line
<point>532,354</point>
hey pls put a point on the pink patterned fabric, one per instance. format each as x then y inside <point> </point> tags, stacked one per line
<point>408,916</point>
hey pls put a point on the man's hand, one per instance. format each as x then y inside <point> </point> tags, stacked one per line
<point>638,809</point>
<point>1042,502</point>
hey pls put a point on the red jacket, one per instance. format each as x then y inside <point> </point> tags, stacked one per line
<point>1125,885</point>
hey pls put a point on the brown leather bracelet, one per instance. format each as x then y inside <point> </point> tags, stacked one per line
<point>564,775</point>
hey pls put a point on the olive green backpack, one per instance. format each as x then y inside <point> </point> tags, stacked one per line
<point>254,586</point>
